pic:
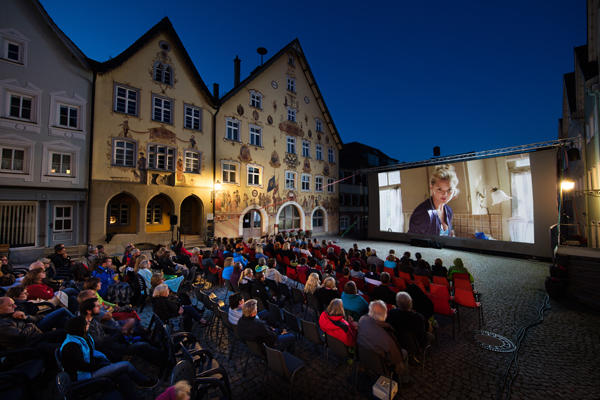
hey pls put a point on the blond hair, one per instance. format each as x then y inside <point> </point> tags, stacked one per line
<point>182,390</point>
<point>312,283</point>
<point>445,172</point>
<point>138,261</point>
<point>248,308</point>
<point>160,289</point>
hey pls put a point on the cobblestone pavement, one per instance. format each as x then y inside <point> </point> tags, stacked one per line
<point>556,357</point>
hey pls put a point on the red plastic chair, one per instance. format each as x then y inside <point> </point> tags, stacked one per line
<point>389,306</point>
<point>420,285</point>
<point>406,277</point>
<point>466,299</point>
<point>279,259</point>
<point>399,283</point>
<point>369,288</point>
<point>286,260</point>
<point>360,283</point>
<point>441,280</point>
<point>291,273</point>
<point>366,297</point>
<point>442,306</point>
<point>319,268</point>
<point>302,277</point>
<point>395,289</point>
<point>461,275</point>
<point>268,254</point>
<point>338,276</point>
<point>424,280</point>
<point>318,255</point>
<point>440,291</point>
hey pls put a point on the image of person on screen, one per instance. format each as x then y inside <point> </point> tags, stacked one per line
<point>434,215</point>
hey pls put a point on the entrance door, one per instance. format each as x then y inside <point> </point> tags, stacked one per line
<point>318,222</point>
<point>190,216</point>
<point>252,224</point>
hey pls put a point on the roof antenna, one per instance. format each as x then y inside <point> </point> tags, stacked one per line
<point>262,51</point>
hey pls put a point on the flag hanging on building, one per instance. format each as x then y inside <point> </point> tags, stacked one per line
<point>271,185</point>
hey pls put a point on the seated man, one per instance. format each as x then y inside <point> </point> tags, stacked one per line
<point>377,335</point>
<point>373,259</point>
<point>404,318</point>
<point>238,256</point>
<point>45,323</point>
<point>106,275</point>
<point>61,259</point>
<point>251,329</point>
<point>383,292</point>
<point>236,301</point>
<point>373,274</point>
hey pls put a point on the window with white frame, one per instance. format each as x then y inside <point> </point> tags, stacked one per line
<point>344,222</point>
<point>17,157</point>
<point>126,100</point>
<point>291,145</point>
<point>193,117</point>
<point>254,173</point>
<point>163,73</point>
<point>319,125</point>
<point>330,186</point>
<point>290,180</point>
<point>22,104</point>
<point>67,113</point>
<point>305,178</point>
<point>331,155</point>
<point>291,60</point>
<point>118,214</point>
<point>63,219</point>
<point>291,83</point>
<point>193,161</point>
<point>255,135</point>
<point>306,148</point>
<point>319,151</point>
<point>124,152</point>
<point>162,109</point>
<point>291,115</point>
<point>20,107</point>
<point>60,163</point>
<point>161,157</point>
<point>233,129</point>
<point>255,99</point>
<point>68,116</point>
<point>318,183</point>
<point>154,214</point>
<point>13,46</point>
<point>230,172</point>
<point>13,159</point>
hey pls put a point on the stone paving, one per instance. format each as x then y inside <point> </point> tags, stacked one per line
<point>556,357</point>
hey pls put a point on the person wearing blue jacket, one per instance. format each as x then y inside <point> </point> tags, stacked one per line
<point>352,301</point>
<point>105,274</point>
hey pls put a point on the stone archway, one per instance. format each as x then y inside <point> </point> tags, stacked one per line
<point>301,212</point>
<point>264,215</point>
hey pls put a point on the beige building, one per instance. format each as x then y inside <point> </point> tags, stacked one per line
<point>152,147</point>
<point>277,152</point>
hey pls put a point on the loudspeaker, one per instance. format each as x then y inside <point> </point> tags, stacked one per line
<point>436,245</point>
<point>436,151</point>
<point>174,219</point>
<point>420,242</point>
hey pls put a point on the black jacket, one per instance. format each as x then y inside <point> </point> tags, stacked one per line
<point>17,333</point>
<point>408,321</point>
<point>255,330</point>
<point>385,294</point>
<point>168,266</point>
<point>60,262</point>
<point>165,308</point>
<point>327,295</point>
<point>259,291</point>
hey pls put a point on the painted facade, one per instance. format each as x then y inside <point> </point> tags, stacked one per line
<point>277,153</point>
<point>45,133</point>
<point>152,149</point>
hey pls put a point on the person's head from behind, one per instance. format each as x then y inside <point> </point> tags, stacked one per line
<point>328,269</point>
<point>418,256</point>
<point>303,261</point>
<point>391,258</point>
<point>92,284</point>
<point>183,390</point>
<point>392,252</point>
<point>378,310</point>
<point>407,254</point>
<point>422,264</point>
<point>271,263</point>
<point>373,268</point>
<point>330,250</point>
<point>335,308</point>
<point>236,300</point>
<point>443,184</point>
<point>439,262</point>
<point>350,288</point>
<point>405,260</point>
<point>458,262</point>
<point>161,290</point>
<point>76,326</point>
<point>403,301</point>
<point>346,272</point>
<point>286,246</point>
<point>373,252</point>
<point>385,278</point>
<point>329,283</point>
<point>84,295</point>
<point>356,266</point>
<point>228,262</point>
<point>249,308</point>
<point>259,276</point>
<point>238,266</point>
<point>157,279</point>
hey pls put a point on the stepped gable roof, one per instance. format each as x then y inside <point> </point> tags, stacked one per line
<point>294,45</point>
<point>569,82</point>
<point>588,68</point>
<point>77,53</point>
<point>163,25</point>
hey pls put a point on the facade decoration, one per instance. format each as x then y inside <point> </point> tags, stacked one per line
<point>240,110</point>
<point>245,154</point>
<point>306,165</point>
<point>274,162</point>
<point>291,160</point>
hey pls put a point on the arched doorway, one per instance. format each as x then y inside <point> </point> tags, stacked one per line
<point>190,215</point>
<point>319,220</point>
<point>252,224</point>
<point>122,214</point>
<point>158,214</point>
<point>290,217</point>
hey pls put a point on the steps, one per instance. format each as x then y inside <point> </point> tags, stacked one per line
<point>74,252</point>
<point>191,241</point>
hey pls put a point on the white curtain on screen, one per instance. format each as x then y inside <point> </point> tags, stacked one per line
<point>390,208</point>
<point>521,223</point>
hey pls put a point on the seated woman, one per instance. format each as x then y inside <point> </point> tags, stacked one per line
<point>328,292</point>
<point>312,284</point>
<point>146,274</point>
<point>356,272</point>
<point>422,270</point>
<point>390,266</point>
<point>354,302</point>
<point>345,278</point>
<point>45,323</point>
<point>332,322</point>
<point>304,251</point>
<point>81,360</point>
<point>169,267</point>
<point>438,268</point>
<point>236,275</point>
<point>286,252</point>
<point>38,290</point>
<point>459,268</point>
<point>259,253</point>
<point>246,282</point>
<point>166,308</point>
<point>302,267</point>
<point>94,285</point>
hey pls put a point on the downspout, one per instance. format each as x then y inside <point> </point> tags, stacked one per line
<point>214,152</point>
<point>89,189</point>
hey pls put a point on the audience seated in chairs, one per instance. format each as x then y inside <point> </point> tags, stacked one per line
<point>37,289</point>
<point>166,308</point>
<point>373,259</point>
<point>404,318</point>
<point>406,266</point>
<point>383,292</point>
<point>352,301</point>
<point>438,268</point>
<point>273,274</point>
<point>313,283</point>
<point>236,301</point>
<point>146,274</point>
<point>334,323</point>
<point>327,292</point>
<point>255,330</point>
<point>422,270</point>
<point>356,272</point>
<point>373,274</point>
<point>458,267</point>
<point>246,282</point>
<point>61,260</point>
<point>45,323</point>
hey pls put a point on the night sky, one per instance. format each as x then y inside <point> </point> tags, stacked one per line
<point>402,76</point>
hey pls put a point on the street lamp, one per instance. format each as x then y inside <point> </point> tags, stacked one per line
<point>564,185</point>
<point>216,188</point>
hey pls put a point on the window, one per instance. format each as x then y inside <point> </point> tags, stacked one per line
<point>349,200</point>
<point>290,180</point>
<point>319,152</point>
<point>163,73</point>
<point>60,163</point>
<point>255,135</point>
<point>193,118</point>
<point>154,214</point>
<point>63,219</point>
<point>19,223</point>
<point>126,100</point>
<point>390,202</point>
<point>289,218</point>
<point>330,186</point>
<point>20,107</point>
<point>13,160</point>
<point>67,113</point>
<point>161,157</point>
<point>67,116</point>
<point>342,199</point>
<point>331,155</point>
<point>291,83</point>
<point>291,114</point>
<point>318,219</point>
<point>344,222</point>
<point>319,125</point>
<point>13,46</point>
<point>18,103</point>
<point>233,129</point>
<point>305,183</point>
<point>254,175</point>
<point>291,61</point>
<point>161,110</point>
<point>318,183</point>
<point>291,145</point>
<point>305,148</point>
<point>192,161</point>
<point>124,153</point>
<point>230,172</point>
<point>16,161</point>
<point>118,214</point>
<point>255,99</point>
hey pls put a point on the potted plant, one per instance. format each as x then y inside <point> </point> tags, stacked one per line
<point>308,233</point>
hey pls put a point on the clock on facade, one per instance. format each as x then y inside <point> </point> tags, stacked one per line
<point>306,99</point>
<point>274,84</point>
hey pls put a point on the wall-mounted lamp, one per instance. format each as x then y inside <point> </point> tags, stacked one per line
<point>216,187</point>
<point>498,196</point>
<point>567,185</point>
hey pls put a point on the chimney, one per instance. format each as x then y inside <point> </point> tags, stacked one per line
<point>216,91</point>
<point>236,71</point>
<point>436,151</point>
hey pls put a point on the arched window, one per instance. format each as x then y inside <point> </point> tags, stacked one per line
<point>318,219</point>
<point>158,72</point>
<point>121,212</point>
<point>289,218</point>
<point>167,75</point>
<point>163,73</point>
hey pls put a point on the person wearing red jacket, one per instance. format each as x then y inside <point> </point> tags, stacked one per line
<point>332,322</point>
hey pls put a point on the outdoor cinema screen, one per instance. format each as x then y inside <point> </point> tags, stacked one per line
<point>488,199</point>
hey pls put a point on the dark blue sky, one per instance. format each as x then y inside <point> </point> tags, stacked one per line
<point>402,76</point>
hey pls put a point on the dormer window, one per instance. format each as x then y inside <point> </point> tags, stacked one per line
<point>13,46</point>
<point>291,61</point>
<point>291,84</point>
<point>163,73</point>
<point>255,99</point>
<point>291,114</point>
<point>319,125</point>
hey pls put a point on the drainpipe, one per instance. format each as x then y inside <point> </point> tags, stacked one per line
<point>89,189</point>
<point>214,150</point>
